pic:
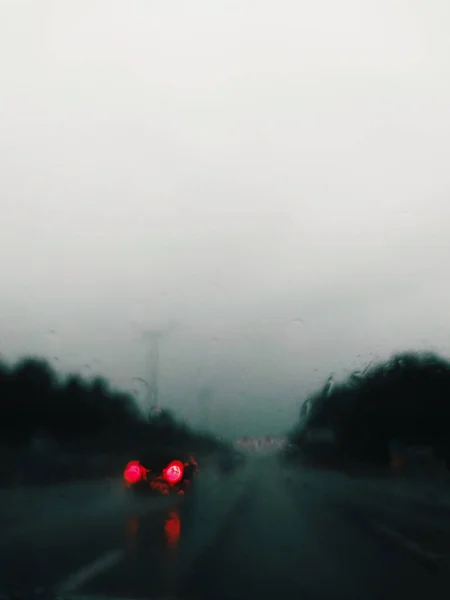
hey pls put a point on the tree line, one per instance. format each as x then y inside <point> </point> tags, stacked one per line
<point>405,399</point>
<point>81,414</point>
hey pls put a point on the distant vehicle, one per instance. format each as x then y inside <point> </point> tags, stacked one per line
<point>161,474</point>
<point>240,458</point>
<point>288,452</point>
<point>230,461</point>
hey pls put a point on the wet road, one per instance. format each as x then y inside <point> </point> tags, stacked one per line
<point>264,532</point>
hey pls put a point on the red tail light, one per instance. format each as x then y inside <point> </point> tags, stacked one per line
<point>173,529</point>
<point>173,473</point>
<point>134,471</point>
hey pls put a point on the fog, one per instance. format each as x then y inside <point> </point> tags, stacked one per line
<point>268,181</point>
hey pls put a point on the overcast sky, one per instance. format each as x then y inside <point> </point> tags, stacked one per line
<point>270,177</point>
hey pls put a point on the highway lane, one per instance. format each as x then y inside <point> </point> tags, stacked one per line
<point>291,539</point>
<point>265,532</point>
<point>83,541</point>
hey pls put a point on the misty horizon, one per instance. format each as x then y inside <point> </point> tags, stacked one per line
<point>267,181</point>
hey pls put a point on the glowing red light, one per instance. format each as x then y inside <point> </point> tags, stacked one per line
<point>173,473</point>
<point>133,472</point>
<point>173,529</point>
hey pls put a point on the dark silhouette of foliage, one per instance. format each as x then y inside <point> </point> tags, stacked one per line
<point>80,416</point>
<point>406,399</point>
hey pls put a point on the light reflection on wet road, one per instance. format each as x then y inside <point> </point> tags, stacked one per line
<point>257,534</point>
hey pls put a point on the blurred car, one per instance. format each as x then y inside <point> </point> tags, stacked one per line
<point>161,474</point>
<point>230,461</point>
<point>289,453</point>
<point>240,458</point>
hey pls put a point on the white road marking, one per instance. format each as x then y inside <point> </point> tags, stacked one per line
<point>411,545</point>
<point>80,577</point>
<point>101,597</point>
<point>109,560</point>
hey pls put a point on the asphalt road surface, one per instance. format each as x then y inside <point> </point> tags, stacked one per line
<point>264,532</point>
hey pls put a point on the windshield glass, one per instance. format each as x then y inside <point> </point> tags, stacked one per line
<point>224,242</point>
